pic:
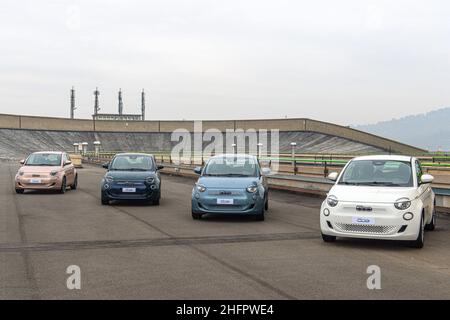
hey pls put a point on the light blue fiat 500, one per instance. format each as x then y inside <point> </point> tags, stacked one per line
<point>231,184</point>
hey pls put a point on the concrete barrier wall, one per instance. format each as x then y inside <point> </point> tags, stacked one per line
<point>219,125</point>
<point>283,125</point>
<point>55,124</point>
<point>170,126</point>
<point>9,122</point>
<point>126,126</point>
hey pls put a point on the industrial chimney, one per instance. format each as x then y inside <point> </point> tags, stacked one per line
<point>120,102</point>
<point>143,104</point>
<point>72,103</point>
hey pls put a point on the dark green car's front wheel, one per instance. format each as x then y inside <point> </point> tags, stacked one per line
<point>105,200</point>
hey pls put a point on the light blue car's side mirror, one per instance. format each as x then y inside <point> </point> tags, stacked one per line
<point>198,170</point>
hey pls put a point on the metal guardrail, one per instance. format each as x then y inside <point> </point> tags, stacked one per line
<point>299,159</point>
<point>315,185</point>
<point>300,165</point>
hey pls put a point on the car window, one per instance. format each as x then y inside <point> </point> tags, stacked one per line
<point>378,173</point>
<point>132,163</point>
<point>44,159</point>
<point>232,166</point>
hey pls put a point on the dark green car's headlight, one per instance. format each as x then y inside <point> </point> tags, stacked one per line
<point>109,179</point>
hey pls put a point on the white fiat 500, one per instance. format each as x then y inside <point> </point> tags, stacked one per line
<point>379,197</point>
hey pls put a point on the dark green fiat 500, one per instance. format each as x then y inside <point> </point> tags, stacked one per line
<point>131,176</point>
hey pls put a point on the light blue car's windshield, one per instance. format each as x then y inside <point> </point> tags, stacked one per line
<point>132,163</point>
<point>378,173</point>
<point>44,159</point>
<point>231,167</point>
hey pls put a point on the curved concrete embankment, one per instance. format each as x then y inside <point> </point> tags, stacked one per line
<point>22,134</point>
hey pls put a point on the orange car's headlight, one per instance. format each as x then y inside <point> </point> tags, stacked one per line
<point>54,173</point>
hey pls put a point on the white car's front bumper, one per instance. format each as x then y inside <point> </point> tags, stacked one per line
<point>384,221</point>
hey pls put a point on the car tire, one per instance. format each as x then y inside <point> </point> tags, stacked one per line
<point>20,191</point>
<point>432,225</point>
<point>327,238</point>
<point>105,200</point>
<point>63,186</point>
<point>74,186</point>
<point>260,216</point>
<point>196,216</point>
<point>419,242</point>
<point>266,203</point>
<point>156,201</point>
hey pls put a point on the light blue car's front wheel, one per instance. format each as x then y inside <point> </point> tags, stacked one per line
<point>196,216</point>
<point>260,216</point>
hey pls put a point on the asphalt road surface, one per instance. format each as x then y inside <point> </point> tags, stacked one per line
<point>134,251</point>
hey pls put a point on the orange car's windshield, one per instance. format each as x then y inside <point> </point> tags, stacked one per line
<point>44,159</point>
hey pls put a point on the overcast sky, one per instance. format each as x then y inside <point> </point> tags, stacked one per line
<point>348,62</point>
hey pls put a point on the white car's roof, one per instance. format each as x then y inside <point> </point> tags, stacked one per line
<point>385,157</point>
<point>48,152</point>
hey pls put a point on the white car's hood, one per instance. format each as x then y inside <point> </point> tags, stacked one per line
<point>371,194</point>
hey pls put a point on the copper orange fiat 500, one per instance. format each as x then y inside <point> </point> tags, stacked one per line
<point>46,171</point>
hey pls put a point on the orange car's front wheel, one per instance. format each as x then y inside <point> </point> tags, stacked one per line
<point>63,186</point>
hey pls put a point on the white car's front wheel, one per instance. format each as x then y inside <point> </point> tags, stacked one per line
<point>327,238</point>
<point>432,225</point>
<point>418,243</point>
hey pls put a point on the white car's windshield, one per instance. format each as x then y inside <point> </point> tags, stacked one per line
<point>378,173</point>
<point>232,166</point>
<point>44,159</point>
<point>132,163</point>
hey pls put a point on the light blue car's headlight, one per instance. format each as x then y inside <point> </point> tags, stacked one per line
<point>200,187</point>
<point>252,188</point>
<point>109,179</point>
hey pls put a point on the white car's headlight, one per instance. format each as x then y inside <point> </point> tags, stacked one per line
<point>200,187</point>
<point>332,201</point>
<point>53,173</point>
<point>20,173</point>
<point>402,203</point>
<point>109,179</point>
<point>252,188</point>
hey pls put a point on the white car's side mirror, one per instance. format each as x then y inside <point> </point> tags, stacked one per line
<point>266,171</point>
<point>333,176</point>
<point>426,178</point>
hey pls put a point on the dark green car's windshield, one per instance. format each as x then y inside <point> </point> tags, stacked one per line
<point>388,173</point>
<point>44,159</point>
<point>132,163</point>
<point>231,167</point>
